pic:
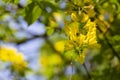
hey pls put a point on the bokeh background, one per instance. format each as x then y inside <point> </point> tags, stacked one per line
<point>32,40</point>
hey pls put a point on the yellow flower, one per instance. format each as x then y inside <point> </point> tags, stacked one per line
<point>91,37</point>
<point>18,58</point>
<point>50,60</point>
<point>11,55</point>
<point>91,34</point>
<point>19,66</point>
<point>55,59</point>
<point>59,46</point>
<point>74,17</point>
<point>101,17</point>
<point>89,25</point>
<point>44,61</point>
<point>71,30</point>
<point>92,41</point>
<point>69,45</point>
<point>85,17</point>
<point>6,53</point>
<point>81,39</point>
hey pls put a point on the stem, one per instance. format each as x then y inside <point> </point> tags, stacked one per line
<point>89,76</point>
<point>71,64</point>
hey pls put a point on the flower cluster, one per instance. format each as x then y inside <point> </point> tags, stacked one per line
<point>15,58</point>
<point>82,35</point>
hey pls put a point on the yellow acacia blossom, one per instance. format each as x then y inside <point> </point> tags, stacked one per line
<point>72,30</point>
<point>15,58</point>
<point>55,59</point>
<point>51,60</point>
<point>85,17</point>
<point>91,34</point>
<point>75,35</point>
<point>59,46</point>
<point>81,37</point>
<point>68,45</point>
<point>19,66</point>
<point>82,18</point>
<point>44,61</point>
<point>74,17</point>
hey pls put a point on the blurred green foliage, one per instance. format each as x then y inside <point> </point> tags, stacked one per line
<point>100,64</point>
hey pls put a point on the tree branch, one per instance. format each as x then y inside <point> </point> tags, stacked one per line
<point>89,76</point>
<point>28,39</point>
<point>109,44</point>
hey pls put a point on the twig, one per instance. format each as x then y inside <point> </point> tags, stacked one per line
<point>28,39</point>
<point>89,76</point>
<point>109,44</point>
<point>71,64</point>
<point>70,77</point>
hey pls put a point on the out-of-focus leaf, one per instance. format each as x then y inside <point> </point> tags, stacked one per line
<point>12,1</point>
<point>43,4</point>
<point>32,13</point>
<point>50,31</point>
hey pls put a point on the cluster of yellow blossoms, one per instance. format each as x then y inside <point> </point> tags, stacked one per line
<point>82,35</point>
<point>15,58</point>
<point>81,40</point>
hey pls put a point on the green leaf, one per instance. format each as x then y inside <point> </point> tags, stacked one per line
<point>50,31</point>
<point>16,1</point>
<point>32,12</point>
<point>12,1</point>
